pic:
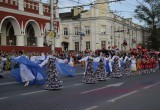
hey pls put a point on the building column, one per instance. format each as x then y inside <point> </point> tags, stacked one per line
<point>20,40</point>
<point>71,37</point>
<point>40,8</point>
<point>3,37</point>
<point>97,41</point>
<point>20,5</point>
<point>93,43</point>
<point>40,41</point>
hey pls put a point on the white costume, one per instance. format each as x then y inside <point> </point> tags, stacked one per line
<point>50,56</point>
<point>133,65</point>
<point>85,59</point>
<point>104,60</point>
<point>25,73</point>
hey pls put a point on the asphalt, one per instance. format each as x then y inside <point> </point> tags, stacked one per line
<point>127,93</point>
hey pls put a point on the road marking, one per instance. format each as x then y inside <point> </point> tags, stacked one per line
<point>78,84</point>
<point>108,78</point>
<point>33,92</point>
<point>122,96</point>
<point>147,87</point>
<point>91,108</point>
<point>93,90</point>
<point>115,85</point>
<point>8,83</point>
<point>3,98</point>
<point>110,85</point>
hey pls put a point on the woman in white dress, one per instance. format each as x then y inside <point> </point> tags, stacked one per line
<point>25,73</point>
<point>133,64</point>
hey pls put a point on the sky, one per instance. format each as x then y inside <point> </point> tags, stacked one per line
<point>124,8</point>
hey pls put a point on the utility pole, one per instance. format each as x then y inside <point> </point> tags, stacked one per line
<point>81,32</point>
<point>114,19</point>
<point>80,37</point>
<point>52,25</point>
<point>124,35</point>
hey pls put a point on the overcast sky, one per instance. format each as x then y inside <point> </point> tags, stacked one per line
<point>124,8</point>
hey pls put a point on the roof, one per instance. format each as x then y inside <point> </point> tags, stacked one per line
<point>70,15</point>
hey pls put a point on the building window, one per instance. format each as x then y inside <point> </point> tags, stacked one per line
<point>103,44</point>
<point>76,30</point>
<point>88,45</point>
<point>76,46</point>
<point>16,3</point>
<point>87,28</point>
<point>65,31</point>
<point>103,29</point>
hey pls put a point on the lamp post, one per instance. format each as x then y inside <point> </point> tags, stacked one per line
<point>52,26</point>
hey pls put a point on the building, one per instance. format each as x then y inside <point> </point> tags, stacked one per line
<point>97,28</point>
<point>25,22</point>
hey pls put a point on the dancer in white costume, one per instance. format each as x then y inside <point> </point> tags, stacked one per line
<point>89,76</point>
<point>101,70</point>
<point>133,64</point>
<point>25,73</point>
<point>53,77</point>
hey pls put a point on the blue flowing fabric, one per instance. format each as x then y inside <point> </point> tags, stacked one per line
<point>65,69</point>
<point>107,67</point>
<point>95,65</point>
<point>38,72</point>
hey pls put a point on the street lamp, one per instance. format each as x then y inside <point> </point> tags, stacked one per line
<point>52,26</point>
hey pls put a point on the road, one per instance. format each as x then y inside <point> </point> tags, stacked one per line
<point>127,93</point>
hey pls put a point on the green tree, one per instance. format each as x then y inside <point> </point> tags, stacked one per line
<point>149,13</point>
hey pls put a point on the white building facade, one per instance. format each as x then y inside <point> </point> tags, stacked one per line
<point>99,29</point>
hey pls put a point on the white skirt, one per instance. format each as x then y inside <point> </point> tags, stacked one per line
<point>26,73</point>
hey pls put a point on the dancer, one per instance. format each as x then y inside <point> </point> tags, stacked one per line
<point>53,78</point>
<point>116,67</point>
<point>139,65</point>
<point>25,73</point>
<point>101,70</point>
<point>133,64</point>
<point>1,68</point>
<point>126,65</point>
<point>89,76</point>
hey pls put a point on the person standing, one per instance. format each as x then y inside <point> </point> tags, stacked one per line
<point>101,70</point>
<point>53,77</point>
<point>89,76</point>
<point>1,68</point>
<point>25,73</point>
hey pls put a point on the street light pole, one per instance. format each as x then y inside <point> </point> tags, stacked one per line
<point>80,32</point>
<point>52,26</point>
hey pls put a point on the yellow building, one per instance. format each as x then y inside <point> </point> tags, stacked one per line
<point>97,28</point>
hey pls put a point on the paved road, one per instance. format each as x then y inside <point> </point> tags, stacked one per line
<point>127,93</point>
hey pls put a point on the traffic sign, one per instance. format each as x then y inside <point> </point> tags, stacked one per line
<point>52,34</point>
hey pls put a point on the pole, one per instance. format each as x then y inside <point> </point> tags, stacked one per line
<point>80,48</point>
<point>80,32</point>
<point>114,30</point>
<point>52,26</point>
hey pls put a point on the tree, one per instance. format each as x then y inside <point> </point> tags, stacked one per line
<point>149,13</point>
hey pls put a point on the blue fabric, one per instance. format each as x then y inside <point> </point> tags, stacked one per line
<point>65,69</point>
<point>95,65</point>
<point>38,72</point>
<point>107,68</point>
